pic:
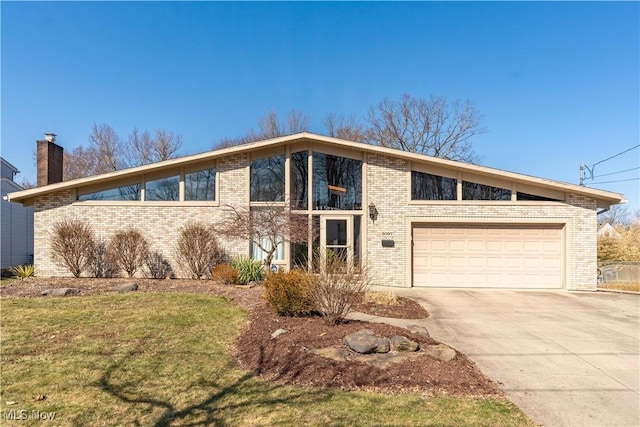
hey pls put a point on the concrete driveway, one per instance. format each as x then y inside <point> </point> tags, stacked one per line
<point>565,358</point>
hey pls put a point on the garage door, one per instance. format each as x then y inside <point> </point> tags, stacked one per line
<point>491,256</point>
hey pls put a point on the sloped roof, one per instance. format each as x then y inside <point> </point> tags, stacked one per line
<point>609,198</point>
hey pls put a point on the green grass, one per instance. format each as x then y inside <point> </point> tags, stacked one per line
<point>163,359</point>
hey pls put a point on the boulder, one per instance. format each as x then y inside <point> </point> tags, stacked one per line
<point>400,343</point>
<point>127,287</point>
<point>60,292</point>
<point>278,332</point>
<point>365,342</point>
<point>333,353</point>
<point>419,330</point>
<point>441,352</point>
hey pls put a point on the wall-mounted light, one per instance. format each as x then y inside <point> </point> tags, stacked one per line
<point>373,212</point>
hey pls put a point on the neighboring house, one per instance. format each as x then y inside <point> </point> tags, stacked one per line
<point>607,230</point>
<point>17,223</point>
<point>417,220</point>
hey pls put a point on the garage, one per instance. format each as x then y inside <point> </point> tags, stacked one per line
<point>526,256</point>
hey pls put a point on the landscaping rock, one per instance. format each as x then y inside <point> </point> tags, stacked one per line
<point>127,287</point>
<point>333,353</point>
<point>441,352</point>
<point>419,330</point>
<point>277,333</point>
<point>400,343</point>
<point>365,341</point>
<point>61,292</point>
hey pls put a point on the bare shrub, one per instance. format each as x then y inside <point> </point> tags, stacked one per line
<point>103,265</point>
<point>337,283</point>
<point>197,250</point>
<point>158,266</point>
<point>72,245</point>
<point>129,250</point>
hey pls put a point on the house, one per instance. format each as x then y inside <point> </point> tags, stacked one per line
<point>17,222</point>
<point>607,230</point>
<point>417,220</point>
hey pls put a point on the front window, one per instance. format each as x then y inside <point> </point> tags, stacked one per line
<point>125,193</point>
<point>425,186</point>
<point>337,182</point>
<point>267,179</point>
<point>200,185</point>
<point>474,191</point>
<point>163,189</point>
<point>299,180</point>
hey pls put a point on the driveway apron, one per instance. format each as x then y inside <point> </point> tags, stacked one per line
<point>565,358</point>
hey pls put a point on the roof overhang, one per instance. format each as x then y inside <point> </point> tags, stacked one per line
<point>604,198</point>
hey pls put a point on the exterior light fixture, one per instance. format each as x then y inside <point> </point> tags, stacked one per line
<point>373,212</point>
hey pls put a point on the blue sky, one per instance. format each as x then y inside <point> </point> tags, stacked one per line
<point>557,83</point>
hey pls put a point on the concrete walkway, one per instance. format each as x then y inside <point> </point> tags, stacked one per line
<point>565,358</point>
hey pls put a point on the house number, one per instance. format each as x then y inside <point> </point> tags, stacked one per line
<point>387,233</point>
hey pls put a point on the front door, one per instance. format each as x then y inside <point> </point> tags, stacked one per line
<point>336,237</point>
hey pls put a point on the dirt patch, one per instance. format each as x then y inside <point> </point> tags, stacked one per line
<point>404,309</point>
<point>289,358</point>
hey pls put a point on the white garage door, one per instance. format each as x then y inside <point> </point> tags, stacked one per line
<point>491,256</point>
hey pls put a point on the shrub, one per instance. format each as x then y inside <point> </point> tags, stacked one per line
<point>290,293</point>
<point>224,274</point>
<point>103,265</point>
<point>129,251</point>
<point>23,271</point>
<point>72,245</point>
<point>159,267</point>
<point>249,270</point>
<point>197,250</point>
<point>338,283</point>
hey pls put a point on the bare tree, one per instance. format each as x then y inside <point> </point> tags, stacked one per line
<point>616,215</point>
<point>145,149</point>
<point>269,126</point>
<point>107,152</point>
<point>266,227</point>
<point>345,127</point>
<point>433,127</point>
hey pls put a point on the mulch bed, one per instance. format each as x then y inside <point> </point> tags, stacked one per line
<point>288,358</point>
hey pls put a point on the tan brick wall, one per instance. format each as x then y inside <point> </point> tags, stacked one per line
<point>387,187</point>
<point>160,225</point>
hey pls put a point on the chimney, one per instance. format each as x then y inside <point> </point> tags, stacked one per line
<point>49,160</point>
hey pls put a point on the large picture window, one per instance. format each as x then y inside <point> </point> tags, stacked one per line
<point>337,182</point>
<point>267,179</point>
<point>163,189</point>
<point>425,186</point>
<point>474,191</point>
<point>200,185</point>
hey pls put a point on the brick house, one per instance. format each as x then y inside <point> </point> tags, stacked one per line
<point>417,220</point>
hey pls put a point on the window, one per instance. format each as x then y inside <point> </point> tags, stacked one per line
<point>425,186</point>
<point>474,191</point>
<point>267,179</point>
<point>299,180</point>
<point>526,196</point>
<point>164,189</point>
<point>337,182</point>
<point>200,185</point>
<point>128,192</point>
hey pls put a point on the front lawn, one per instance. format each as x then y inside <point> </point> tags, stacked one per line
<point>164,359</point>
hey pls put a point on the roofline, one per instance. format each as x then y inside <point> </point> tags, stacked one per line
<point>608,196</point>
<point>10,166</point>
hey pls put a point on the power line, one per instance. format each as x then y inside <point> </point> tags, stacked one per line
<point>591,169</point>
<point>611,182</point>
<point>615,173</point>
<point>615,155</point>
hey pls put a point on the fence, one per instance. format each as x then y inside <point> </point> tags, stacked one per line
<point>618,272</point>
